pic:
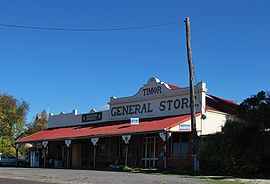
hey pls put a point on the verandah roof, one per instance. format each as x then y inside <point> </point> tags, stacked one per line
<point>105,129</point>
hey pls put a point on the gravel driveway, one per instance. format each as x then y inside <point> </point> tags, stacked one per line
<point>90,176</point>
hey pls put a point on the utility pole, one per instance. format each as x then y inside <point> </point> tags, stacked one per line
<point>192,95</point>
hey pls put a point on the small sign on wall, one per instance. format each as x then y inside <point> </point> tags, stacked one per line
<point>134,121</point>
<point>92,117</point>
<point>185,127</point>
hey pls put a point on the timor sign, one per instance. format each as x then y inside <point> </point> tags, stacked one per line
<point>156,99</point>
<point>92,117</point>
<point>152,90</point>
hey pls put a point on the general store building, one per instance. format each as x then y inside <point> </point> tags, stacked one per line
<point>150,129</point>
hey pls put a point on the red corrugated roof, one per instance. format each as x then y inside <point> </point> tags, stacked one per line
<point>173,87</point>
<point>215,103</point>
<point>220,104</point>
<point>102,129</point>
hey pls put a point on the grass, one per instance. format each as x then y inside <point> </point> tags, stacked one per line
<point>215,178</point>
<point>222,181</point>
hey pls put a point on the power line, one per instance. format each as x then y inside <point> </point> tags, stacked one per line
<point>87,29</point>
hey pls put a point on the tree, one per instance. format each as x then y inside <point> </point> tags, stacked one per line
<point>243,146</point>
<point>7,145</point>
<point>255,111</point>
<point>12,121</point>
<point>40,123</point>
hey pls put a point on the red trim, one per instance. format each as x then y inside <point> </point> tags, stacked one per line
<point>173,87</point>
<point>215,103</point>
<point>221,105</point>
<point>101,129</point>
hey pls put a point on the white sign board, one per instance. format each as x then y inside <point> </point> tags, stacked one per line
<point>94,140</point>
<point>68,142</point>
<point>185,126</point>
<point>45,143</point>
<point>134,121</point>
<point>156,99</point>
<point>126,138</point>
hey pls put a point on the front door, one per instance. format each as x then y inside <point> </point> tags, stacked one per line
<point>149,154</point>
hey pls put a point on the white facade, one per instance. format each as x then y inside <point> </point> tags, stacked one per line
<point>154,99</point>
<point>213,123</point>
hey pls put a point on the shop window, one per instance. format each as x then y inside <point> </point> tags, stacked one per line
<point>179,144</point>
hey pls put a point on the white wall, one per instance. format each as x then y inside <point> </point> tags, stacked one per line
<point>213,123</point>
<point>71,119</point>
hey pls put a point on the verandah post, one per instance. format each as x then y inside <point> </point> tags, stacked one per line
<point>44,157</point>
<point>94,141</point>
<point>17,154</point>
<point>94,159</point>
<point>44,143</point>
<point>68,142</point>
<point>67,157</point>
<point>166,150</point>
<point>126,139</point>
<point>126,160</point>
<point>165,136</point>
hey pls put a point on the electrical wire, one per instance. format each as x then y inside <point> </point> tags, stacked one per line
<point>88,29</point>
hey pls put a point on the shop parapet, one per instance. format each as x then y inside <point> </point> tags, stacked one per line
<point>73,118</point>
<point>154,99</point>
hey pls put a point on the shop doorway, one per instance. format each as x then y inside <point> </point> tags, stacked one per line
<point>149,152</point>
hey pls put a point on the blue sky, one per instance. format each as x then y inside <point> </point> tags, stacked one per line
<point>67,70</point>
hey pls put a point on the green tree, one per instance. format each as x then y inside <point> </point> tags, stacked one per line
<point>12,121</point>
<point>243,146</point>
<point>255,111</point>
<point>40,123</point>
<point>7,145</point>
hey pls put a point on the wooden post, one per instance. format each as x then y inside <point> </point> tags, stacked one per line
<point>17,156</point>
<point>67,157</point>
<point>126,160</point>
<point>126,139</point>
<point>29,155</point>
<point>166,151</point>
<point>44,157</point>
<point>45,144</point>
<point>191,87</point>
<point>94,141</point>
<point>68,144</point>
<point>95,150</point>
